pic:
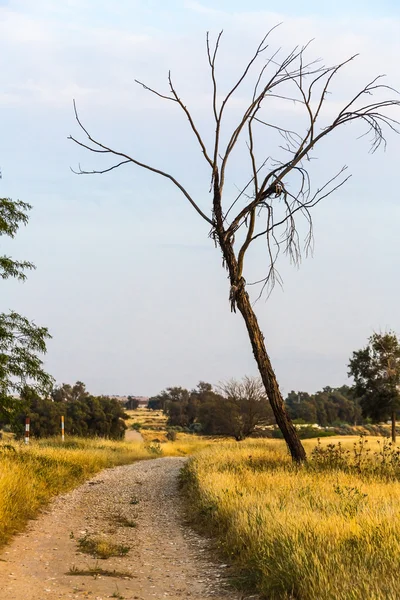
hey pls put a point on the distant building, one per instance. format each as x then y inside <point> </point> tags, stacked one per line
<point>125,400</point>
<point>143,401</point>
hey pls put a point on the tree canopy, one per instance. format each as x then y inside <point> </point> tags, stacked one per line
<point>330,406</point>
<point>376,372</point>
<point>234,409</point>
<point>21,340</point>
<point>85,415</point>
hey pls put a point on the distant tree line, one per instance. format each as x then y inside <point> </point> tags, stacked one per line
<point>85,415</point>
<point>238,408</point>
<point>328,407</point>
<point>234,409</point>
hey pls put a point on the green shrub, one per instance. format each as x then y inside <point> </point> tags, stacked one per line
<point>171,435</point>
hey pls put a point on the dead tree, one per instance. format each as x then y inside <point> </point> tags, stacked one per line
<point>279,193</point>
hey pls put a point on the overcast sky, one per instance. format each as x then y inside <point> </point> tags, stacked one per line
<point>128,281</point>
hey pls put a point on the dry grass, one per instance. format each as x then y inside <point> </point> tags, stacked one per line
<point>100,547</point>
<point>97,571</point>
<point>153,423</point>
<point>305,534</point>
<point>122,521</point>
<point>153,419</point>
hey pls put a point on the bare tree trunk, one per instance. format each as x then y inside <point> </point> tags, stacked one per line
<point>240,298</point>
<point>269,379</point>
<point>394,426</point>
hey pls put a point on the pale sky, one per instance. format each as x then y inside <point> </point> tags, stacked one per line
<point>128,282</point>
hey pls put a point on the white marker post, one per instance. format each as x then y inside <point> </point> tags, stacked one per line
<point>62,428</point>
<point>27,428</point>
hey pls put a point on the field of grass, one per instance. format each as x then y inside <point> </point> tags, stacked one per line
<point>326,531</point>
<point>153,423</point>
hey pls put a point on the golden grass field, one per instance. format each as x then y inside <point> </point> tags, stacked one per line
<point>309,533</point>
<point>153,423</point>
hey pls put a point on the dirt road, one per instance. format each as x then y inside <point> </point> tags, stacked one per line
<point>131,435</point>
<point>166,559</point>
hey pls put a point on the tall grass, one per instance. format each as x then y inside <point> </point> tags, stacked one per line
<point>328,531</point>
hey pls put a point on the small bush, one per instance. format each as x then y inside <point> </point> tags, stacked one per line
<point>154,448</point>
<point>196,428</point>
<point>171,435</point>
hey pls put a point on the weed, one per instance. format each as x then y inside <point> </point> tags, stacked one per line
<point>352,499</point>
<point>117,594</point>
<point>123,521</point>
<point>332,456</point>
<point>154,448</point>
<point>7,448</point>
<point>96,571</point>
<point>101,548</point>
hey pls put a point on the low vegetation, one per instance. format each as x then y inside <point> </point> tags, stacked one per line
<point>328,530</point>
<point>100,547</point>
<point>123,521</point>
<point>97,571</point>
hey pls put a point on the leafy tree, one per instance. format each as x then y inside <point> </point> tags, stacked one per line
<point>278,195</point>
<point>301,406</point>
<point>158,402</point>
<point>21,341</point>
<point>45,416</point>
<point>177,407</point>
<point>329,406</point>
<point>235,410</point>
<point>376,372</point>
<point>86,416</point>
<point>155,403</point>
<point>131,403</point>
<point>67,392</point>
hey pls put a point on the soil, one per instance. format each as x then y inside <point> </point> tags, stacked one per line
<point>166,559</point>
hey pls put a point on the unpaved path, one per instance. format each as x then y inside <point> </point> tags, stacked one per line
<point>167,560</point>
<point>131,435</point>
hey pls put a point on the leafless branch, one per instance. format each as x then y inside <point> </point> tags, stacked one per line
<point>283,192</point>
<point>128,158</point>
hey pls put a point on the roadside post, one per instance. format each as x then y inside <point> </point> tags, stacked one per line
<point>27,429</point>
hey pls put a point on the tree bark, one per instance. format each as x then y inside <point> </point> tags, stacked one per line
<point>394,426</point>
<point>240,298</point>
<point>268,377</point>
